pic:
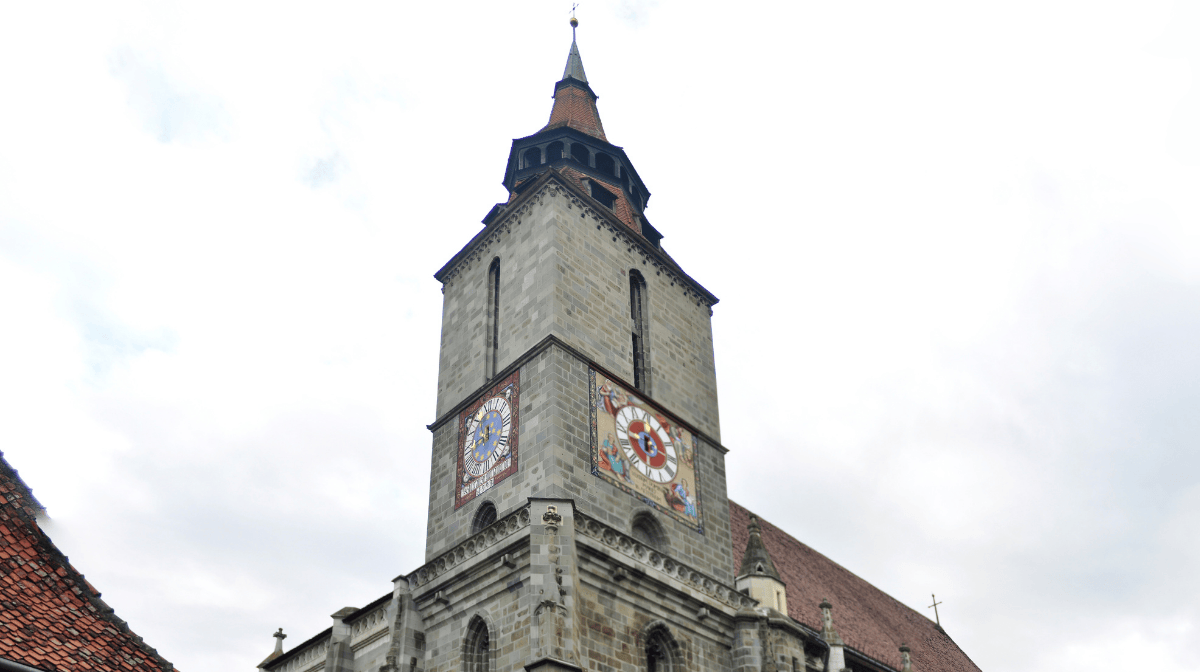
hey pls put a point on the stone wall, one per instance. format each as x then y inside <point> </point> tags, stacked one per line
<point>564,270</point>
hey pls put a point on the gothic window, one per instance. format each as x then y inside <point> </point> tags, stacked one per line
<point>579,153</point>
<point>477,650</point>
<point>492,347</point>
<point>485,515</point>
<point>554,151</point>
<point>637,311</point>
<point>533,157</point>
<point>662,652</point>
<point>647,530</point>
<point>605,164</point>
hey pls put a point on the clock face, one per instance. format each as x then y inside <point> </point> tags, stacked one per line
<point>487,436</point>
<point>639,448</point>
<point>646,444</point>
<point>488,430</point>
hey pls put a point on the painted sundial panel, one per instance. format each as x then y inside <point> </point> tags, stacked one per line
<point>643,450</point>
<point>487,440</point>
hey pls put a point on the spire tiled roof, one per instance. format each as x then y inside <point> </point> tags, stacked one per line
<point>53,618</point>
<point>574,100</point>
<point>869,620</point>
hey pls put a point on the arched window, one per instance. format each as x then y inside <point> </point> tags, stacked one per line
<point>579,153</point>
<point>477,647</point>
<point>492,348</point>
<point>605,164</point>
<point>533,157</point>
<point>637,313</point>
<point>554,151</point>
<point>485,515</point>
<point>662,651</point>
<point>648,531</point>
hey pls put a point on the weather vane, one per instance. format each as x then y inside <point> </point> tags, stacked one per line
<point>934,606</point>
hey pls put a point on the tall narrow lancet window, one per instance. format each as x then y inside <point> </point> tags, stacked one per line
<point>477,647</point>
<point>493,319</point>
<point>637,311</point>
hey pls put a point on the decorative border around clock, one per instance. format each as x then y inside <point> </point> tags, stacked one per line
<point>514,379</point>
<point>595,443</point>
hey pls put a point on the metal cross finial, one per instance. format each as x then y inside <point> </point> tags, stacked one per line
<point>574,21</point>
<point>935,613</point>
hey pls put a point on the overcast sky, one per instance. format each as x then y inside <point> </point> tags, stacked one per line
<point>957,248</point>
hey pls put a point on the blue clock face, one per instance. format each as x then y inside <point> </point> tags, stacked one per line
<point>488,431</point>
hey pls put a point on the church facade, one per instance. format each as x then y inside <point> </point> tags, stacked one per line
<point>578,514</point>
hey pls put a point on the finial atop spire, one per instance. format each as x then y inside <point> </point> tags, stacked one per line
<point>574,21</point>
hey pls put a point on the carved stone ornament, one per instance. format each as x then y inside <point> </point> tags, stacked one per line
<point>551,516</point>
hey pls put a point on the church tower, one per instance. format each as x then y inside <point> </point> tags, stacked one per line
<point>576,354</point>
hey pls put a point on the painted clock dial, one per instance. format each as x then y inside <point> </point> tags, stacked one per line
<point>488,430</point>
<point>639,448</point>
<point>487,440</point>
<point>646,444</point>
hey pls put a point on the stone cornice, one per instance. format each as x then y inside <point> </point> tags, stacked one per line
<point>308,656</point>
<point>537,350</point>
<point>657,564</point>
<point>552,186</point>
<point>491,536</point>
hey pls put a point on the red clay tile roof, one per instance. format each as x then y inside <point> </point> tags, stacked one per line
<point>869,620</point>
<point>575,107</point>
<point>621,208</point>
<point>50,617</point>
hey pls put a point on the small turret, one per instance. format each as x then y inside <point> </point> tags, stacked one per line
<point>905,659</point>
<point>758,577</point>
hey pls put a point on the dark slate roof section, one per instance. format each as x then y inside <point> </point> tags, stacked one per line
<point>756,559</point>
<point>574,67</point>
<point>870,621</point>
<point>53,618</point>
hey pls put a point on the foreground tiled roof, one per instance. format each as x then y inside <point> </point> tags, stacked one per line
<point>50,617</point>
<point>869,620</point>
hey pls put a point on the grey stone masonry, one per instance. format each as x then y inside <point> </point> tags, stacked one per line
<point>555,461</point>
<point>564,271</point>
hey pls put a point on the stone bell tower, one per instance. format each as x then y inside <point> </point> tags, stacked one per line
<point>594,346</point>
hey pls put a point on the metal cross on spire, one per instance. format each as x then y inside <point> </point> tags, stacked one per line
<point>574,21</point>
<point>935,612</point>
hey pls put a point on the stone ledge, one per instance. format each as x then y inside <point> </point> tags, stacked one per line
<point>489,537</point>
<point>658,564</point>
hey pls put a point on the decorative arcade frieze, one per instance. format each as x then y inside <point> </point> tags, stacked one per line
<point>492,535</point>
<point>310,658</point>
<point>648,558</point>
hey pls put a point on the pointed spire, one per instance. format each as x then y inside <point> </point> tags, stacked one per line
<point>574,100</point>
<point>574,67</point>
<point>757,561</point>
